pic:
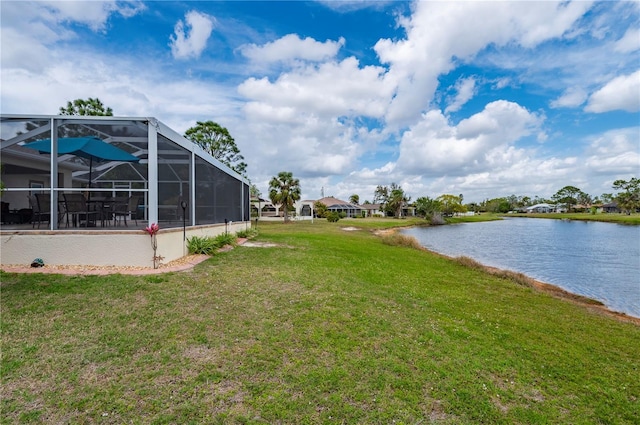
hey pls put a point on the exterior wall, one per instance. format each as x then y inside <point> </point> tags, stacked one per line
<point>172,246</point>
<point>375,213</point>
<point>107,248</point>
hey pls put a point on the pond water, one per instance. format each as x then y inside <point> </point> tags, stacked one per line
<point>597,260</point>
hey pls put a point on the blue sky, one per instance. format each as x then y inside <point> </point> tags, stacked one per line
<point>484,99</point>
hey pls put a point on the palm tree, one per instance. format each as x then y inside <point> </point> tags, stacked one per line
<point>397,200</point>
<point>284,190</point>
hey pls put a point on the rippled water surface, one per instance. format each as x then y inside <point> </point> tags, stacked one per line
<point>597,260</point>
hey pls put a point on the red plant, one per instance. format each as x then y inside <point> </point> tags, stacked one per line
<point>153,229</point>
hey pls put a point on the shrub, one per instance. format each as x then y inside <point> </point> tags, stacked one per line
<point>436,219</point>
<point>209,245</point>
<point>320,209</point>
<point>470,262</point>
<point>201,245</point>
<point>516,277</point>
<point>333,216</point>
<point>397,239</point>
<point>225,239</point>
<point>247,234</point>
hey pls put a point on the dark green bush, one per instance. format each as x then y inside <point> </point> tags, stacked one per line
<point>333,216</point>
<point>225,239</point>
<point>209,245</point>
<point>247,234</point>
<point>201,245</point>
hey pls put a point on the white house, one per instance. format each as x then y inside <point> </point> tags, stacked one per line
<point>541,208</point>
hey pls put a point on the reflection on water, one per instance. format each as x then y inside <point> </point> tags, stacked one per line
<point>597,260</point>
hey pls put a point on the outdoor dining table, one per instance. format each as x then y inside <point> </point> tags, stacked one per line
<point>104,206</point>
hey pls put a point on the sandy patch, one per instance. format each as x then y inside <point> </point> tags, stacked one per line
<point>260,244</point>
<point>349,229</point>
<point>180,264</point>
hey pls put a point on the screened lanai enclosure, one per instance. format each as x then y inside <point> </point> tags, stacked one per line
<point>125,172</point>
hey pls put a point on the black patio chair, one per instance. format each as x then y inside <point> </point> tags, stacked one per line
<point>77,208</point>
<point>8,215</point>
<point>127,207</point>
<point>40,204</point>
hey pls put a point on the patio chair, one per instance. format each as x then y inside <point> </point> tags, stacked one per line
<point>9,216</point>
<point>126,208</point>
<point>5,212</point>
<point>77,208</point>
<point>40,204</point>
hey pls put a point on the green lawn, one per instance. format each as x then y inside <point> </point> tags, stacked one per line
<point>331,326</point>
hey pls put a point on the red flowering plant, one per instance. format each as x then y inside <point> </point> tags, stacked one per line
<point>153,230</point>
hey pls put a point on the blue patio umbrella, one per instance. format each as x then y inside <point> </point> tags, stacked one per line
<point>89,147</point>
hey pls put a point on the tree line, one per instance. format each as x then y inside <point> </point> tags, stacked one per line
<point>284,190</point>
<point>571,199</point>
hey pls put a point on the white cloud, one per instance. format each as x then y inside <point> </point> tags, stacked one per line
<point>435,147</point>
<point>572,97</point>
<point>309,146</point>
<point>614,152</point>
<point>630,42</point>
<point>526,175</point>
<point>329,90</point>
<point>121,85</point>
<point>292,47</point>
<point>621,93</point>
<point>191,42</point>
<point>93,14</point>
<point>501,83</point>
<point>29,29</point>
<point>438,32</point>
<point>607,156</point>
<point>375,176</point>
<point>352,5</point>
<point>23,51</point>
<point>466,88</point>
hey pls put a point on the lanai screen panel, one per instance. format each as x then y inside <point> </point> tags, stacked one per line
<point>218,195</point>
<point>173,182</point>
<point>24,171</point>
<point>113,179</point>
<point>246,210</point>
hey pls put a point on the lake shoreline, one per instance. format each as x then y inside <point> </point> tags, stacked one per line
<point>548,288</point>
<point>613,218</point>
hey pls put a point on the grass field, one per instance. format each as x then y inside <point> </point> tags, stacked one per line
<point>330,326</point>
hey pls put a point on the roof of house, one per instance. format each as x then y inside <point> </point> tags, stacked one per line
<point>374,207</point>
<point>532,207</point>
<point>334,203</point>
